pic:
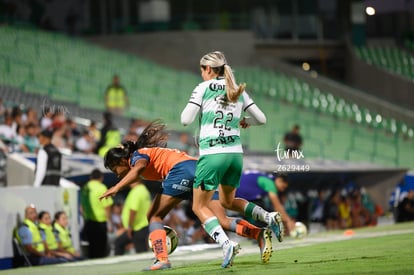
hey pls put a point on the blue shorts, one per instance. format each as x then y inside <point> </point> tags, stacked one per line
<point>179,181</point>
<point>215,196</point>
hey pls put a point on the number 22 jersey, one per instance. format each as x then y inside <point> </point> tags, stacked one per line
<point>219,118</point>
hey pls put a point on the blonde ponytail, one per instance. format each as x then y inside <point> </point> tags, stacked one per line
<point>217,61</point>
<point>233,90</point>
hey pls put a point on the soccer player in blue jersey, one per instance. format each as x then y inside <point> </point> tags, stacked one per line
<point>257,187</point>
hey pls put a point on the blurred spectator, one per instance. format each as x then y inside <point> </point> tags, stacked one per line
<point>62,233</point>
<point>52,244</point>
<point>85,143</point>
<point>73,128</point>
<point>94,131</point>
<point>30,140</point>
<point>46,119</point>
<point>116,211</point>
<point>183,144</point>
<point>196,232</point>
<point>406,208</point>
<point>331,211</point>
<point>345,212</point>
<point>58,120</point>
<point>130,136</point>
<point>110,135</point>
<point>116,98</point>
<point>17,114</point>
<point>59,139</point>
<point>137,125</point>
<point>30,117</point>
<point>178,219</point>
<point>317,207</point>
<point>360,215</point>
<point>134,220</point>
<point>3,108</point>
<point>18,144</point>
<point>49,161</point>
<point>293,139</point>
<point>31,239</point>
<point>370,206</point>
<point>97,215</point>
<point>7,134</point>
<point>290,204</point>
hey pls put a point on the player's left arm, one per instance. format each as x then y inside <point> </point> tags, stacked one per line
<point>257,117</point>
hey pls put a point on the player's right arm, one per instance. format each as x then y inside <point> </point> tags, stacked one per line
<point>131,177</point>
<point>193,106</point>
<point>277,206</point>
<point>189,113</point>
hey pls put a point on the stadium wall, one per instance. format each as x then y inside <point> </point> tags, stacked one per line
<point>14,200</point>
<point>183,50</point>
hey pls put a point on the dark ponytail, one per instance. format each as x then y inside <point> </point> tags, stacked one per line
<point>154,135</point>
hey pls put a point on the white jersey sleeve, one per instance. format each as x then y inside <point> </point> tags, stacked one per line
<point>257,117</point>
<point>193,106</point>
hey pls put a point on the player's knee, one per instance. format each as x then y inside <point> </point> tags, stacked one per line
<point>196,209</point>
<point>226,204</point>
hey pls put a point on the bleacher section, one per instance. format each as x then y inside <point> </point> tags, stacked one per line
<point>77,72</point>
<point>73,71</point>
<point>333,128</point>
<point>391,58</point>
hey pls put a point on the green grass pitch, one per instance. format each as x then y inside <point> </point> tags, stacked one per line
<point>376,250</point>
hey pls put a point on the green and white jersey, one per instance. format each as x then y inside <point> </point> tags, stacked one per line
<point>219,119</point>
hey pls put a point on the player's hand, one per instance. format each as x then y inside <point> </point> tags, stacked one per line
<point>291,224</point>
<point>243,123</point>
<point>110,192</point>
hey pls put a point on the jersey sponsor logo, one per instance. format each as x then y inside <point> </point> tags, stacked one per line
<point>183,186</point>
<point>221,140</point>
<point>216,87</point>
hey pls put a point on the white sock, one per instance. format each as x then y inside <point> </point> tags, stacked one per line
<point>214,229</point>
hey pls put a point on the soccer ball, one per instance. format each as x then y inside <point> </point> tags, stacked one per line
<point>299,231</point>
<point>172,239</point>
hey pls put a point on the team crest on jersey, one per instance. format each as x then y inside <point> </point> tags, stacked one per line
<point>222,100</point>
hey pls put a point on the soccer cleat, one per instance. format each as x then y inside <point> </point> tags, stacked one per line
<point>274,220</point>
<point>265,244</point>
<point>158,265</point>
<point>230,252</point>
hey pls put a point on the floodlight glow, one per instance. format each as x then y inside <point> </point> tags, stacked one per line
<point>305,66</point>
<point>370,11</point>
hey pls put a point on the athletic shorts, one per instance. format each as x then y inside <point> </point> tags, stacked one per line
<point>179,181</point>
<point>215,169</point>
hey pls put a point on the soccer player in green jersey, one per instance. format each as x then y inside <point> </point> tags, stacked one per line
<point>219,101</point>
